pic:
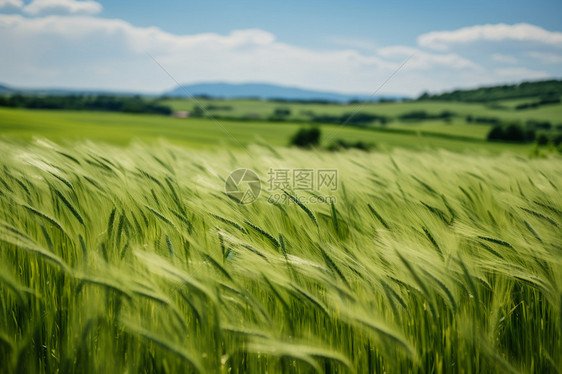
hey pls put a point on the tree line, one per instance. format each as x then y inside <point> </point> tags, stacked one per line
<point>549,91</point>
<point>125,104</point>
<point>532,131</point>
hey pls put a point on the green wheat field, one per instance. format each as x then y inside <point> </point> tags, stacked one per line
<point>132,259</point>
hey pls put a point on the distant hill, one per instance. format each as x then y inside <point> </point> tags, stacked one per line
<point>548,91</point>
<point>540,89</point>
<point>266,91</point>
<point>5,89</point>
<point>215,90</point>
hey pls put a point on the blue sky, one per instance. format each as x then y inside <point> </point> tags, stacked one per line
<point>351,46</point>
<point>312,23</point>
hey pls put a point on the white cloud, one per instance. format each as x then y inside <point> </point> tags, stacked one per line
<point>522,32</point>
<point>112,53</point>
<point>546,58</point>
<point>504,59</point>
<point>421,60</point>
<point>519,74</point>
<point>99,53</point>
<point>11,4</point>
<point>37,7</point>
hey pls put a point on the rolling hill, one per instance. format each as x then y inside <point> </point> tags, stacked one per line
<point>548,88</point>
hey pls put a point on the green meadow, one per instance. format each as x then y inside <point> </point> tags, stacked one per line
<point>502,109</point>
<point>121,129</point>
<point>121,252</point>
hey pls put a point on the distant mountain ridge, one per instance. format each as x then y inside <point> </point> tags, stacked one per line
<point>267,91</point>
<point>533,89</point>
<point>5,89</point>
<point>216,90</point>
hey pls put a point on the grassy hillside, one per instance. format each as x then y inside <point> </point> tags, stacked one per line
<point>437,252</point>
<point>460,122</point>
<point>552,88</point>
<point>199,132</point>
<point>133,260</point>
<point>301,111</point>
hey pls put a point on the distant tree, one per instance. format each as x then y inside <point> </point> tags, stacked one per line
<point>496,133</point>
<point>341,144</point>
<point>549,91</point>
<point>128,104</point>
<point>542,125</point>
<point>514,133</point>
<point>197,112</point>
<point>446,114</point>
<point>490,120</point>
<point>527,106</point>
<point>308,113</point>
<point>132,106</point>
<point>414,115</point>
<point>351,119</point>
<point>542,139</point>
<point>306,137</point>
<point>219,107</point>
<point>551,97</point>
<point>530,135</point>
<point>282,112</point>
